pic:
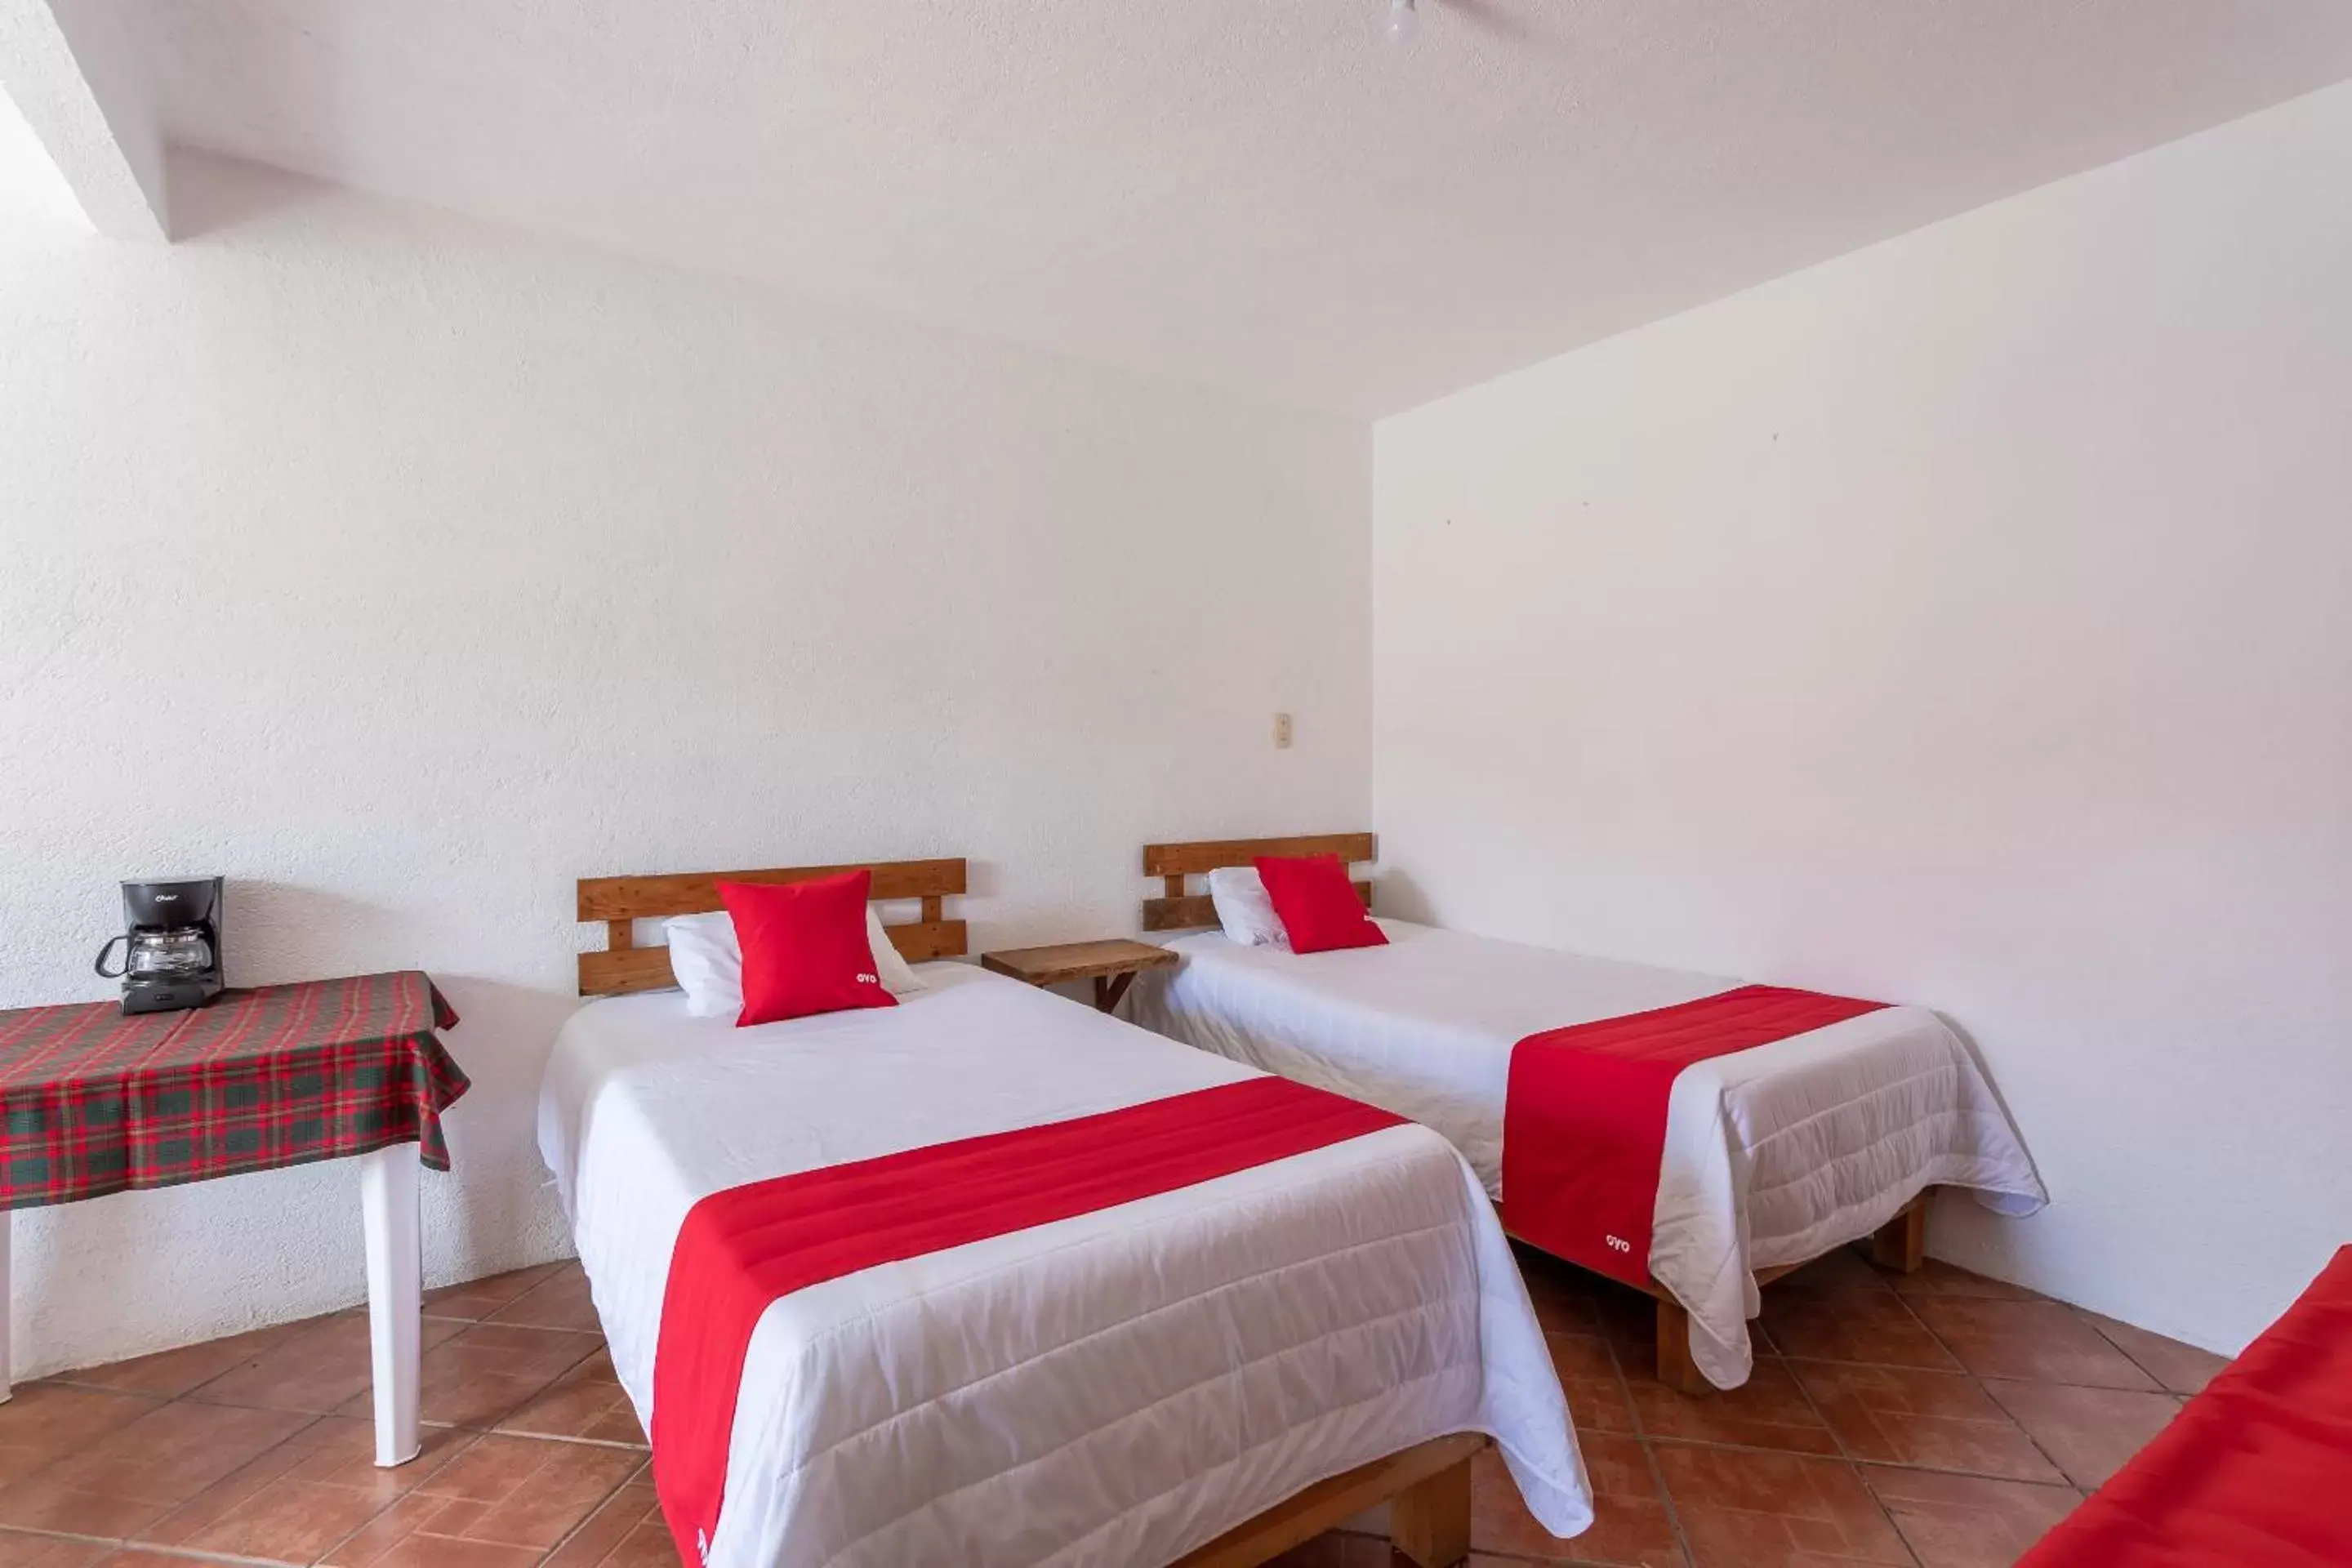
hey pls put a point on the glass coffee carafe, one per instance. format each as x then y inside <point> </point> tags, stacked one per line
<point>173,951</point>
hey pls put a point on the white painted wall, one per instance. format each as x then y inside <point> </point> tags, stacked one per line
<point>32,188</point>
<point>1967,621</point>
<point>404,570</point>
<point>76,75</point>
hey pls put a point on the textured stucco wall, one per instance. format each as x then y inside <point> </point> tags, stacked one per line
<point>404,569</point>
<point>1967,622</point>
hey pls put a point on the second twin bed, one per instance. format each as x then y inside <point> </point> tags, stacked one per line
<point>1773,1155</point>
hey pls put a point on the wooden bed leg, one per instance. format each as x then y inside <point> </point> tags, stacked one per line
<point>1429,1521</point>
<point>1901,1243</point>
<point>1675,1368</point>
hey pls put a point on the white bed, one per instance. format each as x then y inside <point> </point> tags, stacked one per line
<point>1116,1388</point>
<point>1774,1155</point>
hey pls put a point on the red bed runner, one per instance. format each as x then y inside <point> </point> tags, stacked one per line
<point>1584,1118</point>
<point>2256,1472</point>
<point>743,1248</point>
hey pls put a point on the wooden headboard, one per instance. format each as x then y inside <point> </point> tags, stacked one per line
<point>621,901</point>
<point>1172,863</point>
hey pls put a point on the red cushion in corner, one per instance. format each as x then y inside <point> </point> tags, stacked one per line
<point>1318,907</point>
<point>805,947</point>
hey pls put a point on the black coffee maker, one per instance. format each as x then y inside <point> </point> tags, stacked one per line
<point>171,953</point>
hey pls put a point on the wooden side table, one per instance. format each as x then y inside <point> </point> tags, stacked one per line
<point>1111,965</point>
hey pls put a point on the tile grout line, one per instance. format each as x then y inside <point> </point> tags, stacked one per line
<point>2122,1350</point>
<point>1845,1455</point>
<point>1977,1382</point>
<point>589,1517</point>
<point>134,1541</point>
<point>119,1544</point>
<point>297,1328</point>
<point>1959,1369</point>
<point>197,1554</point>
<point>1642,1436</point>
<point>558,1437</point>
<point>356,1531</point>
<point>1914,1468</point>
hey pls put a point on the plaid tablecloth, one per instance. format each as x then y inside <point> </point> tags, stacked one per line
<point>92,1102</point>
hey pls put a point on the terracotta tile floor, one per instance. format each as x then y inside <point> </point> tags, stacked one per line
<point>1935,1421</point>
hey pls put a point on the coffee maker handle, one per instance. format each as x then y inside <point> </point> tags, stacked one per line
<point>106,974</point>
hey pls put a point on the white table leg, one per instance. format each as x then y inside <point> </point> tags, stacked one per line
<point>395,1274</point>
<point>7,1314</point>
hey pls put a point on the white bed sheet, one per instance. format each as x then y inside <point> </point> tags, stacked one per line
<point>1773,1155</point>
<point>1115,1388</point>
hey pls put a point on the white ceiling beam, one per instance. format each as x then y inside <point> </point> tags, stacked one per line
<point>76,75</point>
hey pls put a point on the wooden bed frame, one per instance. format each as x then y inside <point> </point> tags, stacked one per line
<point>1426,1487</point>
<point>621,901</point>
<point>1177,911</point>
<point>1900,1245</point>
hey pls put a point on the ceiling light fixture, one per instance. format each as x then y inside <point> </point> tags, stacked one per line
<point>1404,22</point>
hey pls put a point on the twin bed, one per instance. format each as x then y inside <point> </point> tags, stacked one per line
<point>1045,1287</point>
<point>1208,1373</point>
<point>1774,1156</point>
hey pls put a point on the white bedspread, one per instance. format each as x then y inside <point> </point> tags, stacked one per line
<point>1773,1155</point>
<point>1115,1388</point>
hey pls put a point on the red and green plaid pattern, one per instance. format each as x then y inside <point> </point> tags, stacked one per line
<point>93,1102</point>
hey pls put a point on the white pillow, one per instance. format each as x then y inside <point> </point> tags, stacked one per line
<point>708,962</point>
<point>1244,909</point>
<point>898,975</point>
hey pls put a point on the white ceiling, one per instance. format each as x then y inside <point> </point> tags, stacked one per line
<point>1262,195</point>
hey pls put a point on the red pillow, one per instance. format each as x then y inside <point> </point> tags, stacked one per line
<point>805,947</point>
<point>1318,907</point>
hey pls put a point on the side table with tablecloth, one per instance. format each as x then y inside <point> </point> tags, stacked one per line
<point>94,1101</point>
